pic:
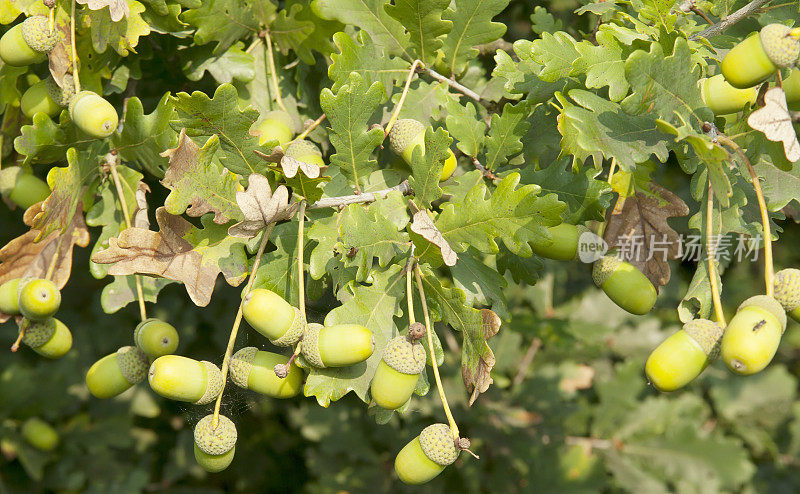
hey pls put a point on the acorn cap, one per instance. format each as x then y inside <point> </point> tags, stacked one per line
<point>8,179</point>
<point>241,363</point>
<point>310,345</point>
<point>295,331</point>
<point>707,334</point>
<point>36,32</point>
<point>787,288</point>
<point>37,333</point>
<point>213,383</point>
<point>299,149</point>
<point>403,356</point>
<point>438,444</point>
<point>215,440</point>
<point>61,96</point>
<point>403,133</point>
<point>603,269</point>
<point>132,364</point>
<point>769,304</point>
<point>781,47</point>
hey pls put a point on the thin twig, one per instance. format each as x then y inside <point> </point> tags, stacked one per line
<point>75,76</point>
<point>238,321</point>
<point>399,106</point>
<point>112,164</point>
<point>311,127</point>
<point>712,258</point>
<point>456,85</point>
<point>486,172</point>
<point>335,202</point>
<point>429,332</point>
<point>702,14</point>
<point>22,327</point>
<point>730,20</point>
<point>301,284</point>
<point>526,361</point>
<point>51,269</point>
<point>409,291</point>
<point>273,72</point>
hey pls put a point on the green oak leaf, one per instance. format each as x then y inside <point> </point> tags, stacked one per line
<point>481,283</point>
<point>144,137</point>
<point>203,117</point>
<point>366,235</point>
<point>505,134</point>
<point>325,232</point>
<point>227,21</point>
<point>369,16</point>
<point>604,65</point>
<point>122,36</point>
<point>543,21</point>
<point>366,58</point>
<point>423,21</point>
<point>44,141</point>
<point>374,306</point>
<point>349,112</point>
<point>291,33</point>
<point>231,64</point>
<point>9,92</point>
<point>122,291</point>
<point>467,129</point>
<point>278,269</point>
<point>427,169</point>
<point>423,101</point>
<point>472,26</point>
<point>556,53</point>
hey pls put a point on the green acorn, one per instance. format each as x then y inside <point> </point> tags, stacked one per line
<point>61,95</point>
<point>255,370</point>
<point>756,58</point>
<point>14,47</point>
<point>39,299</point>
<point>407,134</point>
<point>156,337</point>
<point>427,455</point>
<point>275,126</point>
<point>564,243</point>
<point>93,114</point>
<point>398,372</point>
<point>336,346</point>
<point>787,291</point>
<point>723,98</point>
<point>21,187</point>
<point>39,434</point>
<point>36,33</point>
<point>115,373</point>
<point>625,285</point>
<point>184,379</point>
<point>752,337</point>
<point>9,298</point>
<point>273,317</point>
<point>791,86</point>
<point>679,359</point>
<point>305,151</point>
<point>49,338</point>
<point>37,99</point>
<point>214,447</point>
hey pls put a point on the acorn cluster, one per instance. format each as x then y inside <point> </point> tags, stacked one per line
<point>35,301</point>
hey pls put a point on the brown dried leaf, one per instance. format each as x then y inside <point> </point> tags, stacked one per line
<point>59,57</point>
<point>117,8</point>
<point>23,256</point>
<point>275,156</point>
<point>178,251</point>
<point>290,166</point>
<point>422,224</point>
<point>641,233</point>
<point>260,207</point>
<point>579,377</point>
<point>140,219</point>
<point>477,381</point>
<point>775,122</point>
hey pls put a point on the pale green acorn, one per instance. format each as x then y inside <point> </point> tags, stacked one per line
<point>255,370</point>
<point>39,299</point>
<point>275,126</point>
<point>625,285</point>
<point>39,434</point>
<point>49,338</point>
<point>564,242</point>
<point>272,316</point>
<point>115,373</point>
<point>183,379</point>
<point>93,114</point>
<point>756,58</point>
<point>22,187</point>
<point>36,99</point>
<point>156,337</point>
<point>787,291</point>
<point>679,359</point>
<point>214,445</point>
<point>753,335</point>
<point>407,134</point>
<point>28,42</point>
<point>398,371</point>
<point>336,346</point>
<point>9,298</point>
<point>427,455</point>
<point>723,98</point>
<point>305,151</point>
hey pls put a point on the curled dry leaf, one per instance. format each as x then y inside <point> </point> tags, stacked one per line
<point>140,219</point>
<point>775,121</point>
<point>178,251</point>
<point>640,232</point>
<point>260,207</point>
<point>23,256</point>
<point>422,224</point>
<point>117,8</point>
<point>290,166</point>
<point>59,58</point>
<point>477,378</point>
